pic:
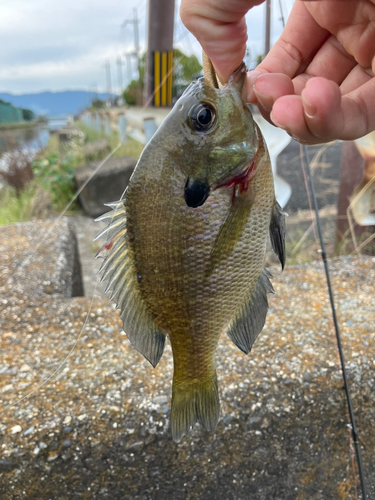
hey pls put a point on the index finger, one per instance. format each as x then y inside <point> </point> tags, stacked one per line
<point>301,39</point>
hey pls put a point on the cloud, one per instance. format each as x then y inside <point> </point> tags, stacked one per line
<point>52,45</point>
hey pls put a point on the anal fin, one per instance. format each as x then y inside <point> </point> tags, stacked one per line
<point>247,325</point>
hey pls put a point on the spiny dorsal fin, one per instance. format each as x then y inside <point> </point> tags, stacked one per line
<point>277,232</point>
<point>247,325</point>
<point>118,268</point>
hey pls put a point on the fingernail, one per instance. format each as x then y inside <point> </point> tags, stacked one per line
<point>265,100</point>
<point>309,109</point>
<point>253,75</point>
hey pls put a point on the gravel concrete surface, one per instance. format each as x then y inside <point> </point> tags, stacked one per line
<point>85,416</point>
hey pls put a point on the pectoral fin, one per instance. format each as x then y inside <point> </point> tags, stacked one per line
<point>277,232</point>
<point>230,231</point>
<point>249,322</point>
<point>118,268</point>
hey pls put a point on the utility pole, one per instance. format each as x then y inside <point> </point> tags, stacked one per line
<point>135,23</point>
<point>128,56</point>
<point>108,75</point>
<point>160,52</point>
<point>119,74</point>
<point>267,36</point>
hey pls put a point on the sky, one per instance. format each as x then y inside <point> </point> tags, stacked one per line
<point>64,45</point>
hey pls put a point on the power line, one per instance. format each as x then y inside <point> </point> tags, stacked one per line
<point>135,22</point>
<point>119,73</point>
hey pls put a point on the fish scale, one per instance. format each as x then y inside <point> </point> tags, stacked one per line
<point>198,210</point>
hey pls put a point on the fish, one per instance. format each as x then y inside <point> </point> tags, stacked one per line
<point>184,250</point>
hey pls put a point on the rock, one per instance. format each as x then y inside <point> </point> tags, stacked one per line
<point>68,136</point>
<point>29,431</point>
<point>52,456</point>
<point>68,133</point>
<point>136,447</point>
<point>42,445</point>
<point>6,466</point>
<point>25,368</point>
<point>67,420</point>
<point>96,150</point>
<point>107,185</point>
<point>160,400</point>
<point>15,429</point>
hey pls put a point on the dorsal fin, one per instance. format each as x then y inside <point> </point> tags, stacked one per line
<point>118,268</point>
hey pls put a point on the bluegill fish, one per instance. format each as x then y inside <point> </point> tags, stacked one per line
<point>185,248</point>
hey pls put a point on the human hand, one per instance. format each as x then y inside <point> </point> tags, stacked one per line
<point>317,82</point>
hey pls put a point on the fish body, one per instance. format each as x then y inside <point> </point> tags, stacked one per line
<point>185,248</point>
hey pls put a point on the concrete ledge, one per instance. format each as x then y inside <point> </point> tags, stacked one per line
<point>39,258</point>
<point>102,421</point>
<point>107,185</point>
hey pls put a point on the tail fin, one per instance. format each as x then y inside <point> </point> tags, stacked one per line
<point>195,402</point>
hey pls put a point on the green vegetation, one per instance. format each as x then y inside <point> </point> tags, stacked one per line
<point>129,148</point>
<point>57,178</point>
<point>36,189</point>
<point>14,208</point>
<point>186,67</point>
<point>97,104</point>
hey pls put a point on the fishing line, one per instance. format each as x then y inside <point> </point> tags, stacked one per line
<point>337,331</point>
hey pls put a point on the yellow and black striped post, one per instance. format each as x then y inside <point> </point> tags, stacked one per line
<point>162,78</point>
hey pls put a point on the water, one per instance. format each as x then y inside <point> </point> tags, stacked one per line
<point>29,139</point>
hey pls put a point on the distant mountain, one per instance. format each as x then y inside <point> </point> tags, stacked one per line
<point>64,103</point>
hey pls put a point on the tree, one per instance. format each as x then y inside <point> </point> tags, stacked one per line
<point>186,67</point>
<point>130,93</point>
<point>97,103</point>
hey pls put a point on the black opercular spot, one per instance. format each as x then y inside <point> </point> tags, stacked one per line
<point>196,193</point>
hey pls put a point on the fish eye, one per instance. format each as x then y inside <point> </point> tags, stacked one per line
<point>202,117</point>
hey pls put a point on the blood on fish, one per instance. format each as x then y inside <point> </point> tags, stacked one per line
<point>108,246</point>
<point>241,180</point>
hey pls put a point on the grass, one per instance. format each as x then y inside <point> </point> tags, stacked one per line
<point>129,148</point>
<point>15,208</point>
<point>52,186</point>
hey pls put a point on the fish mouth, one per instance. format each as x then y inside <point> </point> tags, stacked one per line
<point>196,193</point>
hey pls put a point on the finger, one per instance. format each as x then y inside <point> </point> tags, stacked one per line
<point>331,62</point>
<point>270,87</point>
<point>321,114</point>
<point>220,27</point>
<point>301,39</point>
<point>340,117</point>
<point>356,78</point>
